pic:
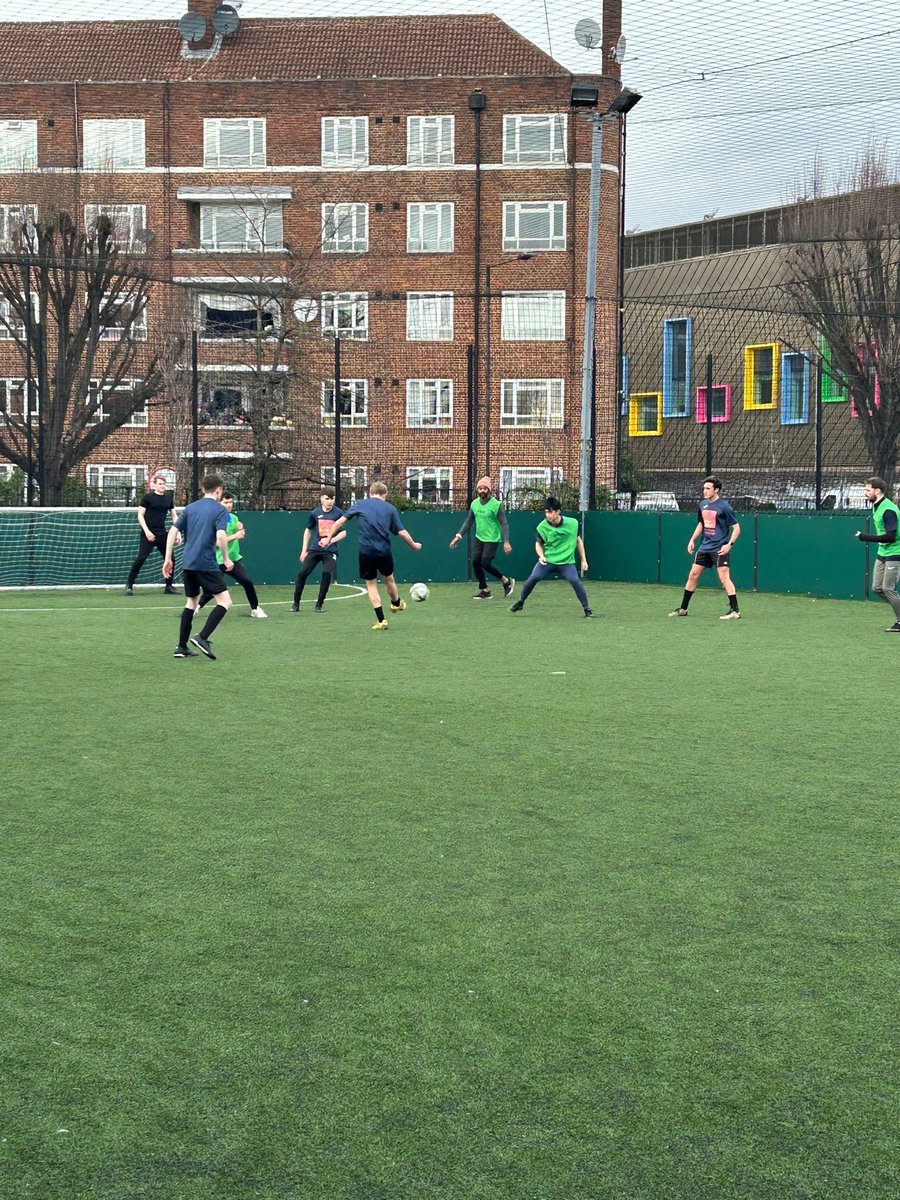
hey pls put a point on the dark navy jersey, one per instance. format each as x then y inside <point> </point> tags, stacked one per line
<point>717,518</point>
<point>377,521</point>
<point>319,525</point>
<point>199,523</point>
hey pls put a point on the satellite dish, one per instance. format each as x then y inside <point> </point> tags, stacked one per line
<point>225,20</point>
<point>144,236</point>
<point>192,28</point>
<point>588,33</point>
<point>619,51</point>
<point>306,309</point>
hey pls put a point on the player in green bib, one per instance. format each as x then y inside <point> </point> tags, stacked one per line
<point>886,519</point>
<point>487,515</point>
<point>557,541</point>
<point>234,532</point>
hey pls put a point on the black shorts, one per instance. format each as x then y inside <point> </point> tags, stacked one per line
<point>196,582</point>
<point>484,551</point>
<point>711,558</point>
<point>373,565</point>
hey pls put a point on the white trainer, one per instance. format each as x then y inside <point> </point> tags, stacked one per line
<point>258,612</point>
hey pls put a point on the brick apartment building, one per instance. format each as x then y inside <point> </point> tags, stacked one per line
<point>365,176</point>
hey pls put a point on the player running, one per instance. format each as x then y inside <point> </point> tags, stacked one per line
<point>719,526</point>
<point>557,541</point>
<point>203,525</point>
<point>235,533</point>
<point>486,513</point>
<point>318,526</point>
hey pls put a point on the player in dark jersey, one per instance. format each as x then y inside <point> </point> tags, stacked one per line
<point>718,528</point>
<point>312,555</point>
<point>203,525</point>
<point>151,515</point>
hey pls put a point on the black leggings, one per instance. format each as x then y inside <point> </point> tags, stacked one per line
<point>483,560</point>
<point>238,572</point>
<point>329,570</point>
<point>145,549</point>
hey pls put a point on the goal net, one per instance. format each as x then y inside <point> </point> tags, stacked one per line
<point>74,547</point>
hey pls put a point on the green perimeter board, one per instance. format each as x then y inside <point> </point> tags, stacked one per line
<point>675,562</point>
<point>622,546</point>
<point>814,555</point>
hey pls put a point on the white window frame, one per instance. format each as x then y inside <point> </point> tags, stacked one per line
<point>132,215</point>
<point>339,130</point>
<point>515,479</point>
<point>255,129</point>
<point>9,386</point>
<point>354,482</point>
<point>429,404</point>
<point>11,332</point>
<point>515,240</point>
<point>99,155</point>
<point>358,415</point>
<point>12,218</point>
<point>18,145</point>
<point>228,302</point>
<point>138,329</point>
<point>345,315</point>
<point>417,241</point>
<point>335,215</point>
<point>515,123</point>
<point>553,411</point>
<point>138,476</point>
<point>441,480</point>
<point>547,312</point>
<point>139,419</point>
<point>263,226</point>
<point>430,140</point>
<point>419,322</point>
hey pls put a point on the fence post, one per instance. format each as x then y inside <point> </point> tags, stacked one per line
<point>709,404</point>
<point>195,418</point>
<point>820,375</point>
<point>337,418</point>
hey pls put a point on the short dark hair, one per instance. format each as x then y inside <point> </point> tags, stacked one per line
<point>329,492</point>
<point>715,481</point>
<point>228,495</point>
<point>551,504</point>
<point>211,482</point>
<point>875,481</point>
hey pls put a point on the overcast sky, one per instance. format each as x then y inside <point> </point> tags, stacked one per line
<point>722,127</point>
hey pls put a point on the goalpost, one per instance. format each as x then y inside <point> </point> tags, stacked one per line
<point>74,548</point>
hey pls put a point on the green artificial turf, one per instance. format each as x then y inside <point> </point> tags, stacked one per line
<point>486,907</point>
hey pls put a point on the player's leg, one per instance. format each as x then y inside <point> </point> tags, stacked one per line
<point>212,581</point>
<point>368,572</point>
<point>329,570</point>
<point>541,571</point>
<point>691,585</point>
<point>724,572</point>
<point>478,568</point>
<point>170,589</point>
<point>192,590</point>
<point>487,563</point>
<point>239,572</point>
<point>397,605</point>
<point>885,576</point>
<point>312,561</point>
<point>145,549</point>
<point>570,573</point>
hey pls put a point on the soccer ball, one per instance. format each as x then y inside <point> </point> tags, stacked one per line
<point>418,591</point>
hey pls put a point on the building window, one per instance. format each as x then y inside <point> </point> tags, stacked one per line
<point>230,315</point>
<point>354,483</point>
<point>345,141</point>
<point>760,376</point>
<point>12,319</point>
<point>113,145</point>
<point>127,221</point>
<point>354,402</point>
<point>534,225</point>
<point>531,403</point>
<point>520,485</point>
<point>346,315</point>
<point>429,228</point>
<point>117,484</point>
<point>119,397</point>
<point>18,145</point>
<point>720,407</point>
<point>794,389</point>
<point>17,223</point>
<point>124,316</point>
<point>677,367</point>
<point>645,414</point>
<point>534,138</point>
<point>230,227</point>
<point>834,385</point>
<point>345,228</point>
<point>228,397</point>
<point>429,403</point>
<point>234,142</point>
<point>429,485</point>
<point>12,399</point>
<point>429,316</point>
<point>533,317</point>
<point>429,141</point>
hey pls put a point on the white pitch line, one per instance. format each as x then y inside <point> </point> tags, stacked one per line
<point>170,608</point>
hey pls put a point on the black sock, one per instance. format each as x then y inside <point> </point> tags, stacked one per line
<point>686,599</point>
<point>187,618</point>
<point>213,620</point>
<point>379,613</point>
<point>733,604</point>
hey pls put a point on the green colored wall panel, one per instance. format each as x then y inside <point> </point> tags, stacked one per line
<point>622,546</point>
<point>814,555</point>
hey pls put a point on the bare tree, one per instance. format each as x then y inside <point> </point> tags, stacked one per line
<point>74,305</point>
<point>843,274</point>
